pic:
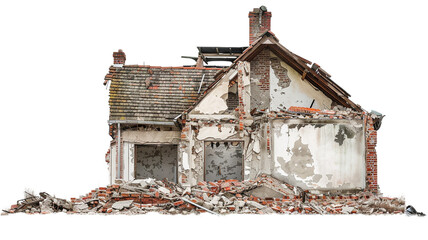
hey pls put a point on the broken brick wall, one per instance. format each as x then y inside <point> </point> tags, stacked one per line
<point>197,135</point>
<point>371,156</point>
<point>204,126</point>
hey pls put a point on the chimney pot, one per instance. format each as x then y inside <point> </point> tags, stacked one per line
<point>260,21</point>
<point>119,57</point>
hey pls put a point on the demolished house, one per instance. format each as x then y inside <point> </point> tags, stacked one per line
<point>271,133</point>
<point>270,112</point>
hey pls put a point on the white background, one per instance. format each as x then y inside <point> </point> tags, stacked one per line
<point>54,109</point>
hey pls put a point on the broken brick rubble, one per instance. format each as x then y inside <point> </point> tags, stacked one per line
<point>264,195</point>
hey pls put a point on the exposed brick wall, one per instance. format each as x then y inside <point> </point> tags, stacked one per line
<point>260,69</point>
<point>185,131</point>
<point>232,101</point>
<point>258,27</point>
<point>260,80</point>
<point>371,157</point>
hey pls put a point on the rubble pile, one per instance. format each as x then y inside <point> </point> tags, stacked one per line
<point>44,203</point>
<point>261,196</point>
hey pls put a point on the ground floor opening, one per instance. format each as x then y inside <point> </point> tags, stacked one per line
<point>157,161</point>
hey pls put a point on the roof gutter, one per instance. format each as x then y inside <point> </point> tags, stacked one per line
<point>141,122</point>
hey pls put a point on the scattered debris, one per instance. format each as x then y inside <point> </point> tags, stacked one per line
<point>44,203</point>
<point>264,195</point>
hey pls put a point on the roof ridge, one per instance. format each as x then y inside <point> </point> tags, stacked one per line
<point>171,67</point>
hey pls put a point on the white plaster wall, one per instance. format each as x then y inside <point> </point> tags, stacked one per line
<point>113,161</point>
<point>244,68</point>
<point>142,137</point>
<point>215,101</point>
<point>334,166</point>
<point>128,161</point>
<point>299,93</point>
<point>213,133</point>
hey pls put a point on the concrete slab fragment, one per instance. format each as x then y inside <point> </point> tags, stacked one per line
<point>122,204</point>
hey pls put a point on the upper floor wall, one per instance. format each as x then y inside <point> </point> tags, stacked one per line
<point>276,86</point>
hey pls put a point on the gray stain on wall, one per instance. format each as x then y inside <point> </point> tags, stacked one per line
<point>344,131</point>
<point>301,162</point>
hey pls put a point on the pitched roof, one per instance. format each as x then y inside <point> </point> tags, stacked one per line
<point>159,94</point>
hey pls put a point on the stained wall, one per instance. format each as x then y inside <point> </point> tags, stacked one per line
<point>319,154</point>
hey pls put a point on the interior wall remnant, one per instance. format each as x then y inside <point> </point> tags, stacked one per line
<point>215,100</point>
<point>223,160</point>
<point>156,161</point>
<point>288,89</point>
<point>128,161</point>
<point>244,89</point>
<point>320,155</point>
<point>113,162</point>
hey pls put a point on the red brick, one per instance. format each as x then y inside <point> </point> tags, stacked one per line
<point>202,183</point>
<point>180,202</point>
<point>231,208</point>
<point>276,208</point>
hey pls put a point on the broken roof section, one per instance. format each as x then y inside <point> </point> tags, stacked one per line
<point>154,95</point>
<point>216,54</point>
<point>145,94</point>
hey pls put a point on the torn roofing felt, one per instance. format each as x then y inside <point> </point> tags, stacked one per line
<point>314,74</point>
<point>147,93</point>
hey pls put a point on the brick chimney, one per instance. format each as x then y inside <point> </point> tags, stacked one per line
<point>259,22</point>
<point>119,57</point>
